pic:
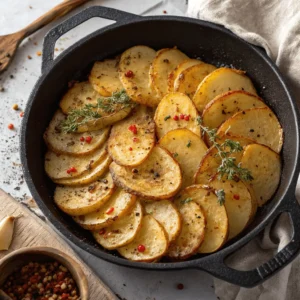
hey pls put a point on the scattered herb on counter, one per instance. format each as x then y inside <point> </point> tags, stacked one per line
<point>221,196</point>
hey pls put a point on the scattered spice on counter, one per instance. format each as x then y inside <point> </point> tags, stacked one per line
<point>41,281</point>
<point>22,114</point>
<point>29,57</point>
<point>11,126</point>
<point>180,286</point>
<point>39,53</point>
<point>2,89</point>
<point>15,107</point>
<point>164,11</point>
<point>11,76</point>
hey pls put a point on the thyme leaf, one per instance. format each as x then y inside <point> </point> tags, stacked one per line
<point>187,200</point>
<point>221,196</point>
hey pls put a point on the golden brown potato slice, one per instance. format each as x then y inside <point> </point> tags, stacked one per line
<point>122,231</point>
<point>239,204</point>
<point>220,81</point>
<point>63,166</point>
<point>163,64</point>
<point>166,214</point>
<point>187,149</point>
<point>226,105</point>
<point>150,243</point>
<point>189,79</point>
<point>85,199</point>
<point>265,167</point>
<point>158,177</point>
<point>258,124</point>
<point>216,230</point>
<point>104,77</point>
<point>181,67</point>
<point>131,140</point>
<point>72,143</point>
<point>192,230</point>
<point>134,74</point>
<point>117,206</point>
<point>176,110</point>
<point>211,161</point>
<point>90,176</point>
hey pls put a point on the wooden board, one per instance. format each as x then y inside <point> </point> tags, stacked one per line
<point>31,231</point>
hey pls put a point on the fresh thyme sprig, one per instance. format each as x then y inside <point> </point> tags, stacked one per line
<point>92,112</point>
<point>228,167</point>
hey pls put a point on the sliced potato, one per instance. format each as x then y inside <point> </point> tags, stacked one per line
<point>167,215</point>
<point>174,105</point>
<point>265,167</point>
<point>211,161</point>
<point>192,230</point>
<point>104,77</point>
<point>163,64</point>
<point>158,177</point>
<point>220,81</point>
<point>258,124</point>
<point>71,143</point>
<point>216,230</point>
<point>58,166</point>
<point>138,60</point>
<point>181,67</point>
<point>122,231</point>
<point>128,148</point>
<point>90,176</point>
<point>226,105</point>
<point>239,204</point>
<point>154,239</point>
<point>85,199</point>
<point>117,206</point>
<point>189,79</point>
<point>187,149</point>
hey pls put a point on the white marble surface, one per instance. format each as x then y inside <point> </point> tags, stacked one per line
<point>19,80</point>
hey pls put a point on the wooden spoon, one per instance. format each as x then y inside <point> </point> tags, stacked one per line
<point>10,42</point>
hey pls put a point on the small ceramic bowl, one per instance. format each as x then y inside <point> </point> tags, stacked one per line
<point>18,258</point>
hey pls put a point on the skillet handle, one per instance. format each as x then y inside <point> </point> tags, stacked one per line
<point>219,269</point>
<point>91,12</point>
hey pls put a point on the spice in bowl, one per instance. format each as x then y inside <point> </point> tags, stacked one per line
<point>41,281</point>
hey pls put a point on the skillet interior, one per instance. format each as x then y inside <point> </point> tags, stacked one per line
<point>196,39</point>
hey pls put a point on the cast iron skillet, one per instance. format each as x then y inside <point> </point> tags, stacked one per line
<point>212,44</point>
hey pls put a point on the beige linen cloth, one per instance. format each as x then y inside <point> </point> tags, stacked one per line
<point>275,26</point>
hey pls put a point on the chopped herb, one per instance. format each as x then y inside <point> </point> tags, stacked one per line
<point>167,117</point>
<point>189,144</point>
<point>187,200</point>
<point>175,154</point>
<point>199,120</point>
<point>221,196</point>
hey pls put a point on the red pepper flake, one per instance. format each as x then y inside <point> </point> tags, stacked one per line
<point>129,74</point>
<point>102,231</point>
<point>133,128</point>
<point>180,286</point>
<point>22,114</point>
<point>65,296</point>
<point>187,117</point>
<point>141,248</point>
<point>130,148</point>
<point>82,139</point>
<point>135,139</point>
<point>88,139</point>
<point>71,170</point>
<point>11,126</point>
<point>181,116</point>
<point>176,118</point>
<point>236,197</point>
<point>164,11</point>
<point>110,210</point>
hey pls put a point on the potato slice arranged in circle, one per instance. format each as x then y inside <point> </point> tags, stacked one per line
<point>85,199</point>
<point>90,176</point>
<point>158,177</point>
<point>59,166</point>
<point>118,205</point>
<point>192,230</point>
<point>265,167</point>
<point>134,69</point>
<point>226,105</point>
<point>163,64</point>
<point>258,124</point>
<point>122,231</point>
<point>188,80</point>
<point>216,230</point>
<point>131,140</point>
<point>152,237</point>
<point>167,115</point>
<point>187,149</point>
<point>166,214</point>
<point>220,81</point>
<point>104,77</point>
<point>71,143</point>
<point>180,68</point>
<point>239,204</point>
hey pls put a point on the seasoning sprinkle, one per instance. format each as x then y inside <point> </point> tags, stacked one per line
<point>189,144</point>
<point>167,117</point>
